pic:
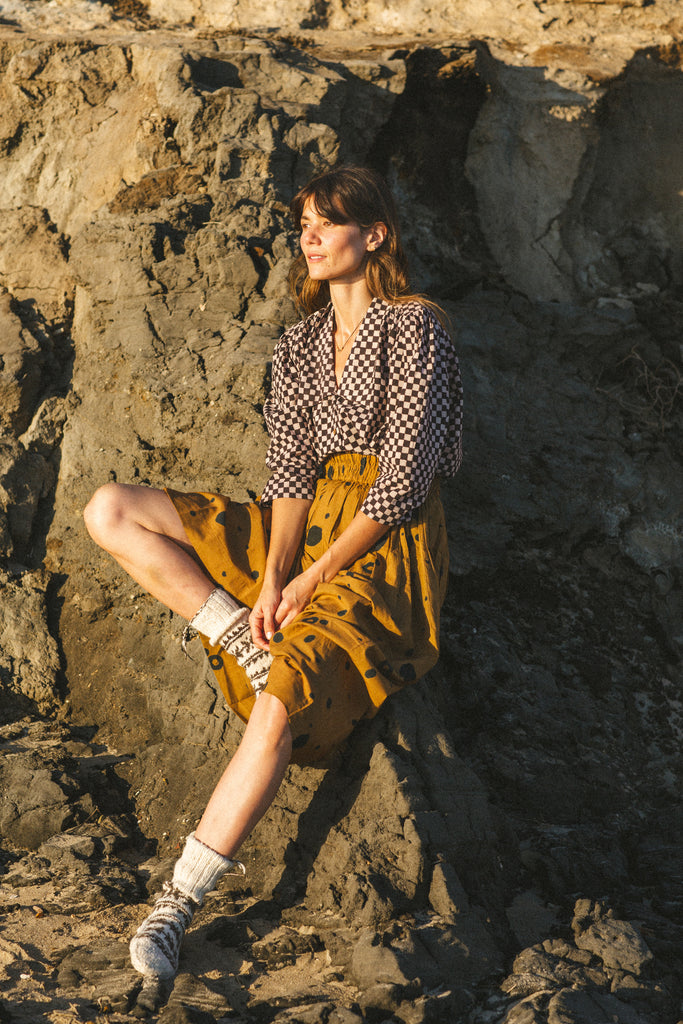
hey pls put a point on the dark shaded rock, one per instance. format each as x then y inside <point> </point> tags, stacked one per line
<point>33,805</point>
<point>342,1015</point>
<point>181,1014</point>
<point>618,944</point>
<point>376,960</point>
<point>570,1005</point>
<point>380,999</point>
<point>283,946</point>
<point>25,479</point>
<point>29,655</point>
<point>531,919</point>
<point>315,1013</point>
<point>552,966</point>
<point>21,363</point>
<point>437,1008</point>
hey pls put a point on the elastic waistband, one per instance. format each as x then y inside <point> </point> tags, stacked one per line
<point>350,467</point>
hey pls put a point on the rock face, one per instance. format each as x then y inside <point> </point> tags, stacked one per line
<point>500,843</point>
<point>614,24</point>
<point>572,205</point>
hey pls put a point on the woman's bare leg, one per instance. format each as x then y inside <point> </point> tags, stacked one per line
<point>240,799</point>
<point>141,529</point>
<point>248,785</point>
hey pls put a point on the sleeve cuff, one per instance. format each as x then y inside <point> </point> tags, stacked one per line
<point>288,487</point>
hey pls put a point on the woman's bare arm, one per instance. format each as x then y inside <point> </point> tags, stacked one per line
<point>279,604</point>
<point>288,520</point>
<point>358,537</point>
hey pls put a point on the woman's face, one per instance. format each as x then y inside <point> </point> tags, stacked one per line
<point>334,252</point>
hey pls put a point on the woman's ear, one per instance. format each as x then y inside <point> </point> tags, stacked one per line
<point>376,235</point>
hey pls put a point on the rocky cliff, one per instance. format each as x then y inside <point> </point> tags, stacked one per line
<point>502,844</point>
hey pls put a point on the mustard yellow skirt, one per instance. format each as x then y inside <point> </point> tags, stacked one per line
<point>366,634</point>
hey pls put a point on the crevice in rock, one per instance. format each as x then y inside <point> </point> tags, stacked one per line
<point>622,227</point>
<point>422,149</point>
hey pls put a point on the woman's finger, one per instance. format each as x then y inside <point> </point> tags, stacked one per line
<point>257,630</point>
<point>266,611</point>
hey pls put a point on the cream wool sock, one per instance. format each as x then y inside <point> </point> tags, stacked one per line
<point>226,623</point>
<point>155,947</point>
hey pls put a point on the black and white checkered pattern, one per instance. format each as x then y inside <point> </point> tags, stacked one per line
<point>400,398</point>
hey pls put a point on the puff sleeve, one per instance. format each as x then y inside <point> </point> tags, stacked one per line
<point>291,455</point>
<point>421,430</point>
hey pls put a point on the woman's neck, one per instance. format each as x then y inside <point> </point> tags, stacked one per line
<point>350,304</point>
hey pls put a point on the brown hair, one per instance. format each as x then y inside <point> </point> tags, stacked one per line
<point>360,196</point>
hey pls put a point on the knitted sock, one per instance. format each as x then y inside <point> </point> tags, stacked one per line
<point>155,947</point>
<point>226,623</point>
<point>217,611</point>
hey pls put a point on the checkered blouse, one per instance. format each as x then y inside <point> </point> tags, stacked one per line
<point>400,398</point>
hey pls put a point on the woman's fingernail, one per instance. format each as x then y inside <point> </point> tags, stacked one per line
<point>269,636</point>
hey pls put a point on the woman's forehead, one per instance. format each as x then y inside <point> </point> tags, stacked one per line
<point>330,210</point>
<point>309,208</point>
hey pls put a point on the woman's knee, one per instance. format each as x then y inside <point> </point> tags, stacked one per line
<point>271,724</point>
<point>105,512</point>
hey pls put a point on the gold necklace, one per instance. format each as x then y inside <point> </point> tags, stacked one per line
<point>340,348</point>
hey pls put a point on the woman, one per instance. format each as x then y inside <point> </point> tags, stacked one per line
<point>343,561</point>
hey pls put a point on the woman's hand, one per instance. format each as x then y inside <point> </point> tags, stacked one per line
<point>276,608</point>
<point>295,596</point>
<point>262,620</point>
<point>279,605</point>
<point>287,527</point>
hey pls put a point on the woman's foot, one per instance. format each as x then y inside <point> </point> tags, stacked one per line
<point>155,947</point>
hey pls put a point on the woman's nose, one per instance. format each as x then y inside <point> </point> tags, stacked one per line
<point>309,236</point>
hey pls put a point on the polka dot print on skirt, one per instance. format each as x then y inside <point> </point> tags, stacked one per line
<point>367,633</point>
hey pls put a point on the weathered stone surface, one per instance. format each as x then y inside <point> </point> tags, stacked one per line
<point>20,371</point>
<point>25,479</point>
<point>572,1005</point>
<point>51,783</point>
<point>618,943</point>
<point>542,159</point>
<point>516,22</point>
<point>29,655</point>
<point>44,811</point>
<point>34,261</point>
